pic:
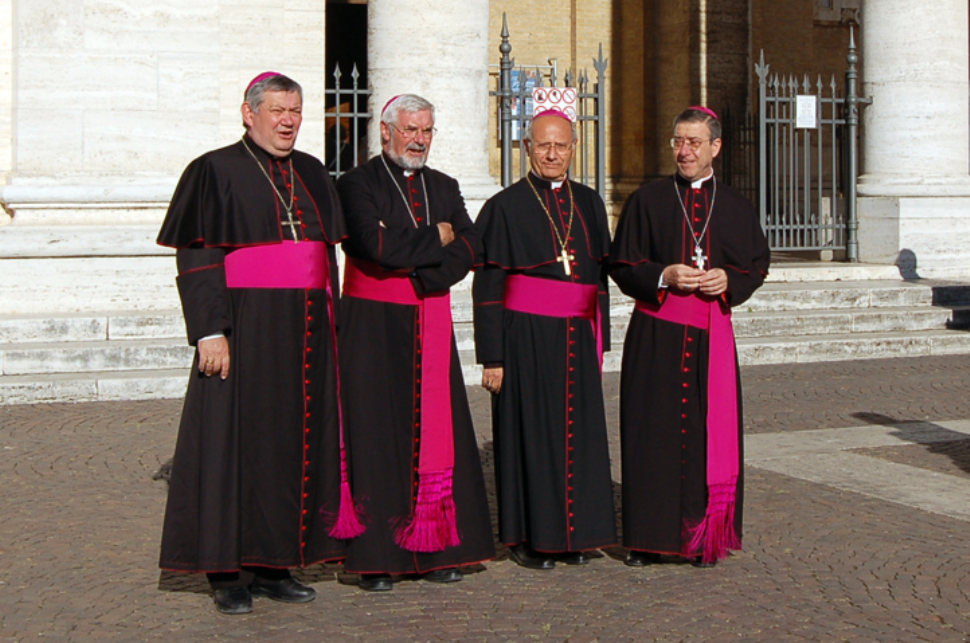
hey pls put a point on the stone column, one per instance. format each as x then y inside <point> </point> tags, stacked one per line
<point>437,49</point>
<point>915,190</point>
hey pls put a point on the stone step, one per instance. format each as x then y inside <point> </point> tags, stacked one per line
<point>143,382</point>
<point>91,327</point>
<point>90,357</point>
<point>830,348</point>
<point>93,387</point>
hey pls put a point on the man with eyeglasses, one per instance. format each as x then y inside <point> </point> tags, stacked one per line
<point>414,458</point>
<point>687,248</point>
<point>541,326</point>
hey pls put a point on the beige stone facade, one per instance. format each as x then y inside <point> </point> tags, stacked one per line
<point>663,56</point>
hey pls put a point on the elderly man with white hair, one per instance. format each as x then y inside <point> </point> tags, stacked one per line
<point>414,458</point>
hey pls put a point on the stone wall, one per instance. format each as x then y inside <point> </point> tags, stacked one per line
<point>102,104</point>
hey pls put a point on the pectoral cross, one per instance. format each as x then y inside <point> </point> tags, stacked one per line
<point>564,258</point>
<point>292,223</point>
<point>699,258</point>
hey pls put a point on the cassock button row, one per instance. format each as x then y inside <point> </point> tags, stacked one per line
<point>683,416</point>
<point>686,354</point>
<point>684,401</point>
<point>686,385</point>
<point>686,370</point>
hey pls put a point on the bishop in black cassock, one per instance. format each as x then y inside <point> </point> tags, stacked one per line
<point>687,248</point>
<point>410,239</point>
<point>545,242</point>
<point>256,478</point>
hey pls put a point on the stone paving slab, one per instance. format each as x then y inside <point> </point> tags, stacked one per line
<point>80,518</point>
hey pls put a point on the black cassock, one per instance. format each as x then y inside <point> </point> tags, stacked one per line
<point>552,463</point>
<point>257,462</point>
<point>380,364</point>
<point>663,387</point>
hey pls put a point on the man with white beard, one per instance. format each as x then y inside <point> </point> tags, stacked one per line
<point>413,458</point>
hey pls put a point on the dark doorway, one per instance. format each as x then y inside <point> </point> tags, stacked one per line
<point>346,48</point>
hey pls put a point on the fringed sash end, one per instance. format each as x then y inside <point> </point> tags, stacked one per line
<point>433,526</point>
<point>348,523</point>
<point>715,535</point>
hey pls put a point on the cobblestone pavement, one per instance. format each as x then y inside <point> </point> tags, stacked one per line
<point>80,518</point>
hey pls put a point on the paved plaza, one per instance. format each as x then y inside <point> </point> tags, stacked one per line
<point>856,529</point>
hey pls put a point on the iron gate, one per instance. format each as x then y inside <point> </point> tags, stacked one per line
<point>514,99</point>
<point>807,160</point>
<point>346,136</point>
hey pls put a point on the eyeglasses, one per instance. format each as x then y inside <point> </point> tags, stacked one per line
<point>693,143</point>
<point>544,148</point>
<point>411,133</point>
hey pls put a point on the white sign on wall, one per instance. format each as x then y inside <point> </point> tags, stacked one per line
<point>806,112</point>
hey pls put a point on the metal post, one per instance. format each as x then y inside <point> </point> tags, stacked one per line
<point>338,126</point>
<point>762,69</point>
<point>851,134</point>
<point>505,98</point>
<point>600,66</point>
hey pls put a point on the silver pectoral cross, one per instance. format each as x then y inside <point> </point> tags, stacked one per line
<point>564,258</point>
<point>292,223</point>
<point>699,258</point>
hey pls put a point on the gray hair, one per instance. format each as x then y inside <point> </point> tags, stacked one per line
<point>407,103</point>
<point>254,95</point>
<point>527,134</point>
<point>691,115</point>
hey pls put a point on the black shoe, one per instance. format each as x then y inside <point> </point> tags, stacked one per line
<point>375,582</point>
<point>286,590</point>
<point>642,558</point>
<point>449,575</point>
<point>233,600</point>
<point>527,557</point>
<point>698,561</point>
<point>574,558</point>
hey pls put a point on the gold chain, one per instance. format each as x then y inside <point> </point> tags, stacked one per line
<point>289,208</point>
<point>569,227</point>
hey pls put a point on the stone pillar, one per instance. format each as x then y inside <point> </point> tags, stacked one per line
<point>437,49</point>
<point>915,189</point>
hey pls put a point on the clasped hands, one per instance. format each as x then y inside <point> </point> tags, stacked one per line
<point>712,282</point>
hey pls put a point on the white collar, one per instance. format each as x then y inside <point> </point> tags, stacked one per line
<point>699,182</point>
<point>555,184</point>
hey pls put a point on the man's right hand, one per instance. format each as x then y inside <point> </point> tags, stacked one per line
<point>492,378</point>
<point>214,357</point>
<point>446,232</point>
<point>683,277</point>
